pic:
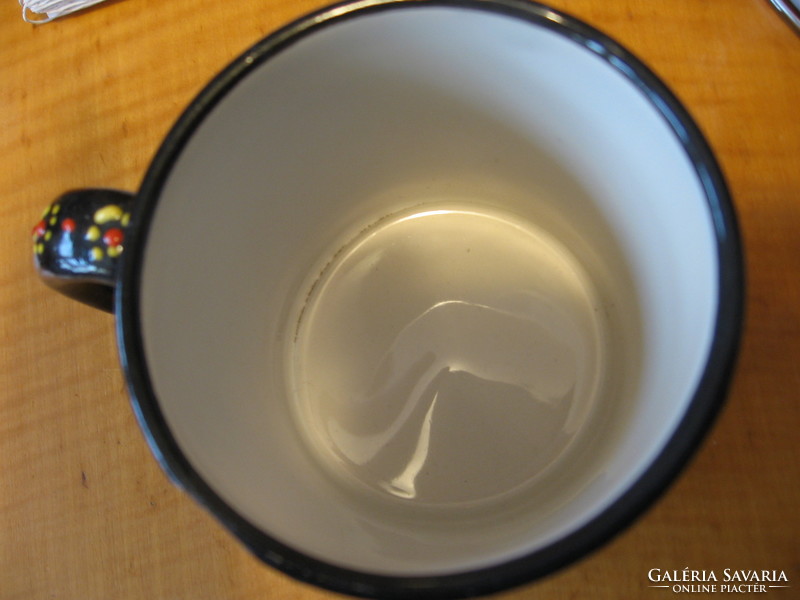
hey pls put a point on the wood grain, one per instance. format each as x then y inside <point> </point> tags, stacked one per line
<point>85,512</point>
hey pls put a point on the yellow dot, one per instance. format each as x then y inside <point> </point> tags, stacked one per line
<point>126,218</point>
<point>39,248</point>
<point>110,212</point>
<point>53,220</point>
<point>114,251</point>
<point>47,235</point>
<point>56,208</point>
<point>45,212</point>
<point>96,253</point>
<point>93,233</point>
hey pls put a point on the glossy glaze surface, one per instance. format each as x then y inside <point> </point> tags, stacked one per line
<point>489,110</point>
<point>447,355</point>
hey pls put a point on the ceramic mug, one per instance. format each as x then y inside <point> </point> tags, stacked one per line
<point>420,298</point>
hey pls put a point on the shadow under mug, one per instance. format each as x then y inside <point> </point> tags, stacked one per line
<point>420,298</point>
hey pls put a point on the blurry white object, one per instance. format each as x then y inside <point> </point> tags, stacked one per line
<point>44,11</point>
<point>790,9</point>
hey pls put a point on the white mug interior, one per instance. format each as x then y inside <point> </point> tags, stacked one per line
<point>376,115</point>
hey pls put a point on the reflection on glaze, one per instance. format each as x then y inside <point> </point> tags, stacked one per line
<point>403,484</point>
<point>447,358</point>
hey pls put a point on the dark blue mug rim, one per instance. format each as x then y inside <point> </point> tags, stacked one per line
<point>705,405</point>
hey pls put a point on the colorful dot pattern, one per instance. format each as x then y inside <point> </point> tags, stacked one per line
<point>103,235</point>
<point>78,240</point>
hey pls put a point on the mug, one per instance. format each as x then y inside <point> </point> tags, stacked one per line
<point>420,299</point>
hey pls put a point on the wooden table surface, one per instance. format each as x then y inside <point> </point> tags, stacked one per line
<point>86,513</point>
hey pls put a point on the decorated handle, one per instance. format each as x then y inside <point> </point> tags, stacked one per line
<point>78,241</point>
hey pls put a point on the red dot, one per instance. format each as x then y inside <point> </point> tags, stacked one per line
<point>40,228</point>
<point>113,237</point>
<point>68,225</point>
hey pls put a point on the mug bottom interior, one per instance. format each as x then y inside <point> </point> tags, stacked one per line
<point>445,355</point>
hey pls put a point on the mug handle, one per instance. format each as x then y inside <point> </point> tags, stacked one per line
<point>78,242</point>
